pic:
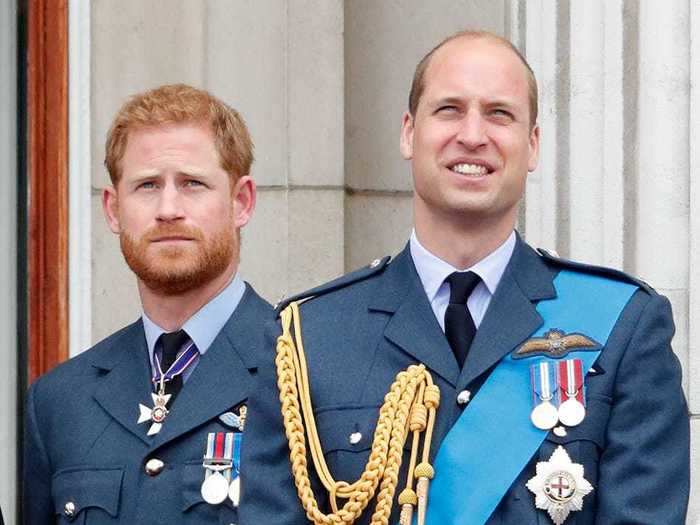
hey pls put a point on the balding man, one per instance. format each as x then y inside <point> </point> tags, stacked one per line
<point>522,388</point>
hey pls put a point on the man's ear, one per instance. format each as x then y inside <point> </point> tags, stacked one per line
<point>244,197</point>
<point>534,157</point>
<point>406,141</point>
<point>110,208</point>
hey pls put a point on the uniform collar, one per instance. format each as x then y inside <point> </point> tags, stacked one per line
<point>433,271</point>
<point>206,323</point>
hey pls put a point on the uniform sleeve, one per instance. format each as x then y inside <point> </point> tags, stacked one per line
<point>36,484</point>
<point>644,468</point>
<point>269,495</point>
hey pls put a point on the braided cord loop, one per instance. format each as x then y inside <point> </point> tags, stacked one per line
<point>409,406</point>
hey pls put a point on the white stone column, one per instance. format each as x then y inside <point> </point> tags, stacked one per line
<point>8,259</point>
<point>542,198</point>
<point>693,368</point>
<point>662,207</point>
<point>80,177</point>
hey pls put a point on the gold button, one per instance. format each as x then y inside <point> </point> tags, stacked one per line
<point>69,509</point>
<point>154,466</point>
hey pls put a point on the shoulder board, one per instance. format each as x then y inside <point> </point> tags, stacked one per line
<point>375,267</point>
<point>591,268</point>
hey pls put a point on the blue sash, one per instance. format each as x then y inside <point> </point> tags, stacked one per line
<point>494,439</point>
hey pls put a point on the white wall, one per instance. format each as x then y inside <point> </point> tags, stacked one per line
<point>8,259</point>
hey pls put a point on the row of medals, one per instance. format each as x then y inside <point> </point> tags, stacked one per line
<point>570,412</point>
<point>217,487</point>
<point>222,478</point>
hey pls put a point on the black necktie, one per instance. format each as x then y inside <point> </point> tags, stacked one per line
<point>459,325</point>
<point>171,345</point>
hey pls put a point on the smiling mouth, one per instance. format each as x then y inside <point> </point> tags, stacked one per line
<point>471,170</point>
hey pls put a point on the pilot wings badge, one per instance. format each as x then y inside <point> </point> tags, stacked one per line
<point>555,343</point>
<point>559,486</point>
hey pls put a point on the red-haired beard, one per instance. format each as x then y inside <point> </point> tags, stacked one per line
<point>173,270</point>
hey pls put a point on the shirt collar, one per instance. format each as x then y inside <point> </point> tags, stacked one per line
<point>206,323</point>
<point>433,271</point>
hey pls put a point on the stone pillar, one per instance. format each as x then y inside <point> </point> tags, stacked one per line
<point>8,260</point>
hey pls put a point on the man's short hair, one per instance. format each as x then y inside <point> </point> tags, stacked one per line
<point>418,84</point>
<point>179,104</point>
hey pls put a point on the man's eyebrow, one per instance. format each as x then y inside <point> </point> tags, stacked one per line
<point>145,174</point>
<point>448,100</point>
<point>191,171</point>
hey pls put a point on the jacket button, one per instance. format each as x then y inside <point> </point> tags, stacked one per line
<point>355,438</point>
<point>69,509</point>
<point>154,466</point>
<point>463,397</point>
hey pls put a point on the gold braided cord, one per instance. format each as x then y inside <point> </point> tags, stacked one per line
<point>409,406</point>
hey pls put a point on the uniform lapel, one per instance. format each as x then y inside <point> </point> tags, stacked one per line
<point>223,376</point>
<point>413,326</point>
<point>511,316</point>
<point>126,382</point>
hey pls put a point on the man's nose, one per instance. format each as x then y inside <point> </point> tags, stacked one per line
<point>170,203</point>
<point>472,132</point>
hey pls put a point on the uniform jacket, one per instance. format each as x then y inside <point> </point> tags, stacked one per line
<point>361,330</point>
<point>83,444</point>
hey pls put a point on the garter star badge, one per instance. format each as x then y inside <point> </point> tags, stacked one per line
<point>559,486</point>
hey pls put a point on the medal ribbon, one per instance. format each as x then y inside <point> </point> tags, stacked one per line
<point>237,441</point>
<point>571,380</point>
<point>472,474</point>
<point>219,452</point>
<point>182,363</point>
<point>544,381</point>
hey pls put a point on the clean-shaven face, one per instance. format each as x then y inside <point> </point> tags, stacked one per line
<point>174,208</point>
<point>471,143</point>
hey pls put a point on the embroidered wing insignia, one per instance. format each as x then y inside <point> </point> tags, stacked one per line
<point>555,343</point>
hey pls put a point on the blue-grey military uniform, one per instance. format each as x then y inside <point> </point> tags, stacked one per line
<point>85,454</point>
<point>362,329</point>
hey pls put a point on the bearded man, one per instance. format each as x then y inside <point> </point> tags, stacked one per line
<point>118,434</point>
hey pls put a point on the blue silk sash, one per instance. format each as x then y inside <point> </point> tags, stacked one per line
<point>494,439</point>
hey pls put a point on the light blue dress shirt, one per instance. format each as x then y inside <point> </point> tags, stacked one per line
<point>204,325</point>
<point>433,271</point>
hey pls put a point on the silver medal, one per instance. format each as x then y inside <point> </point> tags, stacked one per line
<point>234,491</point>
<point>215,488</point>
<point>157,414</point>
<point>544,416</point>
<point>571,412</point>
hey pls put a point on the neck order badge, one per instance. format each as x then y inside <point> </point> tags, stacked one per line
<point>159,412</point>
<point>468,486</point>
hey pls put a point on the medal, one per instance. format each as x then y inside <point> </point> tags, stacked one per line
<point>234,490</point>
<point>218,461</point>
<point>156,414</point>
<point>215,488</point>
<point>544,414</point>
<point>559,486</point>
<point>159,412</point>
<point>572,410</point>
